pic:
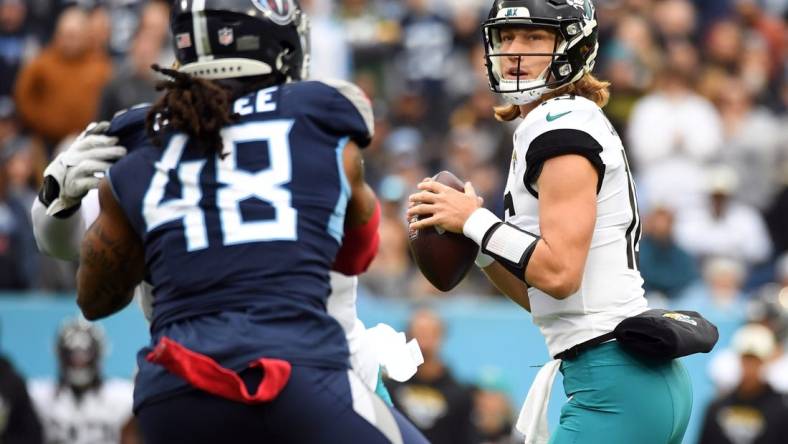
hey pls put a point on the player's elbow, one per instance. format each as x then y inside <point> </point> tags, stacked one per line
<point>561,285</point>
<point>89,310</point>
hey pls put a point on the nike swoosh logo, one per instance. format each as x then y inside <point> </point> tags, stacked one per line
<point>550,117</point>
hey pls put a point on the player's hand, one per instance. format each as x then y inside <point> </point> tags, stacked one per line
<point>76,170</point>
<point>442,206</point>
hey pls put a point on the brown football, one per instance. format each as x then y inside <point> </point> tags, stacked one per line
<point>444,258</point>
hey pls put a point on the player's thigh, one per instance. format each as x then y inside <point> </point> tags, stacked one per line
<point>198,417</point>
<point>330,406</point>
<point>623,401</point>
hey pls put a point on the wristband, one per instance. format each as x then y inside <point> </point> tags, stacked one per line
<point>503,242</point>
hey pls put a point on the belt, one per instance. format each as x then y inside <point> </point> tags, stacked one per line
<point>575,351</point>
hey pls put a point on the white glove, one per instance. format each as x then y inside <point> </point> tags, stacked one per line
<point>74,171</point>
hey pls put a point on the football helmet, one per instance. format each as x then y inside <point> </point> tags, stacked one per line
<point>80,348</point>
<point>574,52</point>
<point>222,39</point>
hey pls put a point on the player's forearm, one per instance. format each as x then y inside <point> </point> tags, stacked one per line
<point>57,237</point>
<point>506,283</point>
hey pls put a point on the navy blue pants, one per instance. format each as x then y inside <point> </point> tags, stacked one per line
<point>316,406</point>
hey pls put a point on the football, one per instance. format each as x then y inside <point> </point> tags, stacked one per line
<point>444,258</point>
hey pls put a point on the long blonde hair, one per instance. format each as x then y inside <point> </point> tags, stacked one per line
<point>587,86</point>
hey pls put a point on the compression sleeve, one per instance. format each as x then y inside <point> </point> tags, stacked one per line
<point>359,246</point>
<point>57,237</point>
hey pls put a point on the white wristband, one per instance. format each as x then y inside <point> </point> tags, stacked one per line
<point>483,260</point>
<point>478,224</point>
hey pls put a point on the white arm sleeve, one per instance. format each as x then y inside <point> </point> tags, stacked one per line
<point>59,238</point>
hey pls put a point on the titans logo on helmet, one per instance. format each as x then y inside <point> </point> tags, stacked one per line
<point>280,12</point>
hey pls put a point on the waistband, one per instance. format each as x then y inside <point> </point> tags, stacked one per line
<point>576,350</point>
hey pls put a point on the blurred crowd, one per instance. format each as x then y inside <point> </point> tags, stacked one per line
<point>699,96</point>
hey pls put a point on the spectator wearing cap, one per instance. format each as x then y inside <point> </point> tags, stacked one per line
<point>723,226</point>
<point>753,413</point>
<point>57,93</point>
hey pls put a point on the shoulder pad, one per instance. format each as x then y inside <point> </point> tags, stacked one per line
<point>129,120</point>
<point>357,98</point>
<point>340,107</point>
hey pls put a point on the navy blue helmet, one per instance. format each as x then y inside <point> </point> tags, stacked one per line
<point>222,39</point>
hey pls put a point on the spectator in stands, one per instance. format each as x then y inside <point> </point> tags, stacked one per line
<point>17,246</point>
<point>667,269</point>
<point>57,93</point>
<point>719,295</point>
<point>492,411</point>
<point>17,43</point>
<point>331,55</point>
<point>433,400</point>
<point>751,142</point>
<point>426,44</point>
<point>134,81</point>
<point>724,44</point>
<point>753,412</point>
<point>768,308</point>
<point>723,226</point>
<point>672,133</point>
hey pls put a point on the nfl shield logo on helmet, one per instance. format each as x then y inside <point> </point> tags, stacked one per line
<point>226,37</point>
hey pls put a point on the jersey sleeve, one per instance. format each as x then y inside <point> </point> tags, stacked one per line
<point>561,130</point>
<point>348,112</point>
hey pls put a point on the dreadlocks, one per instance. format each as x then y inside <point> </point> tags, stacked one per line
<point>195,106</point>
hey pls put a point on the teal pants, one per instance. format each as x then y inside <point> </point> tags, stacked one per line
<point>617,398</point>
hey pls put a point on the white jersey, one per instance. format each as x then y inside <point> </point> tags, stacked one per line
<point>611,288</point>
<point>96,418</point>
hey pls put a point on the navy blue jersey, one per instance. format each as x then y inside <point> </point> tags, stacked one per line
<point>238,247</point>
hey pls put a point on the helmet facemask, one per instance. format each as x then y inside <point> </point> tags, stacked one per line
<point>573,53</point>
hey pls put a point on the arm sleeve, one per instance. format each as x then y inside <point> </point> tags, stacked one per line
<point>560,142</point>
<point>57,237</point>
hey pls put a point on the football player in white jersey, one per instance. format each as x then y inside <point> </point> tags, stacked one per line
<point>81,406</point>
<point>567,248</point>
